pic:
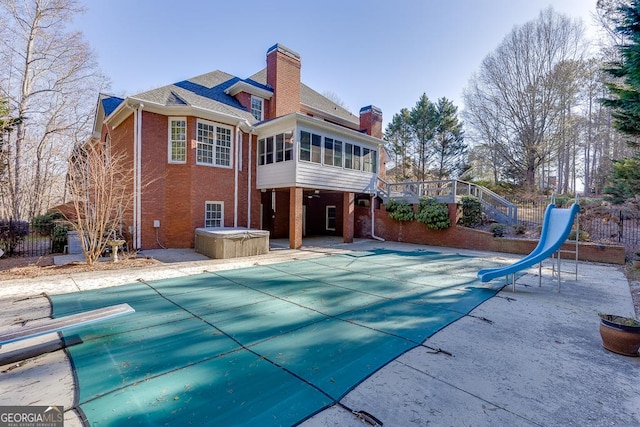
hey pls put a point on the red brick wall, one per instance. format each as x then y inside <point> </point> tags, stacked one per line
<point>466,238</point>
<point>175,194</point>
<point>283,75</point>
<point>244,99</point>
<point>121,139</point>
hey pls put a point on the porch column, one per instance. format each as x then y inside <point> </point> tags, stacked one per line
<point>348,203</point>
<point>295,217</point>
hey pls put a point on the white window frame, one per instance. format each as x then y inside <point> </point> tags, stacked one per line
<point>215,146</point>
<point>171,141</point>
<point>207,220</point>
<point>326,222</point>
<point>257,114</point>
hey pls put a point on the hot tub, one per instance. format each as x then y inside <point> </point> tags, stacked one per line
<point>229,242</point>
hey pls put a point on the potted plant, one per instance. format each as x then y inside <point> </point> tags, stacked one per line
<point>620,334</point>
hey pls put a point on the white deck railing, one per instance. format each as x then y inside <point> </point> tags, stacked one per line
<point>449,191</point>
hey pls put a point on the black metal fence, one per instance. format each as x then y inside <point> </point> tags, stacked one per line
<point>601,222</point>
<point>20,239</point>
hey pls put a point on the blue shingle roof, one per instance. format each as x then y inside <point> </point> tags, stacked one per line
<point>215,93</point>
<point>110,104</point>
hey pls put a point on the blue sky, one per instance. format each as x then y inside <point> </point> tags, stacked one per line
<point>385,53</point>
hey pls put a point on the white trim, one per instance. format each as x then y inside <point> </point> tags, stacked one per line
<point>214,160</point>
<point>242,86</point>
<point>214,202</point>
<point>169,140</point>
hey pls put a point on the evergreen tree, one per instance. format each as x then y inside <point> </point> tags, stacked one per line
<point>424,123</point>
<point>625,180</point>
<point>448,148</point>
<point>625,89</point>
<point>398,137</point>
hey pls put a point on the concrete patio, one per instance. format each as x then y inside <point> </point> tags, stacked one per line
<point>531,357</point>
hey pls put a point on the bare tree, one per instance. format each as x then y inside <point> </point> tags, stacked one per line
<point>100,183</point>
<point>49,79</point>
<point>518,87</point>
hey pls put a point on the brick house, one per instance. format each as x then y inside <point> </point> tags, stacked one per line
<point>264,152</point>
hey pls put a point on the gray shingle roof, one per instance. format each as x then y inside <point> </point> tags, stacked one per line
<point>313,99</point>
<point>205,91</point>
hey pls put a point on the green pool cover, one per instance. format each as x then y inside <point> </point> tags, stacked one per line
<point>266,345</point>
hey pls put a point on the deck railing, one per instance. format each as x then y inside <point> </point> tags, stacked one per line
<point>449,191</point>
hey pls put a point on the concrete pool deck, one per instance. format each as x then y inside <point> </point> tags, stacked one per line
<point>533,357</point>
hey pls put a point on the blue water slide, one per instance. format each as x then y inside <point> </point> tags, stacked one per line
<point>556,227</point>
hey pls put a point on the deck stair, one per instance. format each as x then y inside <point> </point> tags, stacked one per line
<point>449,191</point>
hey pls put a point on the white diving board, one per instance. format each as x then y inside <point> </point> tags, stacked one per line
<point>66,322</point>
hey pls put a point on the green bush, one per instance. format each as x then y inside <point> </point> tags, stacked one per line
<point>583,236</point>
<point>497,229</point>
<point>400,210</point>
<point>44,224</point>
<point>12,232</point>
<point>433,214</point>
<point>519,228</point>
<point>471,211</point>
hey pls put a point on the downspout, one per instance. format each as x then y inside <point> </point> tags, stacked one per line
<point>138,174</point>
<point>373,219</point>
<point>235,178</point>
<point>133,228</point>
<point>250,157</point>
<point>249,169</point>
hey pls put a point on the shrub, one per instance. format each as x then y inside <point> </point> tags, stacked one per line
<point>583,236</point>
<point>44,224</point>
<point>400,210</point>
<point>519,228</point>
<point>497,229</point>
<point>435,215</point>
<point>12,232</point>
<point>471,211</point>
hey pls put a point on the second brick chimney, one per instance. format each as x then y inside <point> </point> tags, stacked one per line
<point>283,75</point>
<point>371,121</point>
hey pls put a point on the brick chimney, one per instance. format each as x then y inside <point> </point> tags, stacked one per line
<point>283,75</point>
<point>371,121</point>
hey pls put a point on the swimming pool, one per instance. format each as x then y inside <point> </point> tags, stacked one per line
<point>268,345</point>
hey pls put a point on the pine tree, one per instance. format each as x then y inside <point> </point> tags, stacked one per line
<point>449,148</point>
<point>625,89</point>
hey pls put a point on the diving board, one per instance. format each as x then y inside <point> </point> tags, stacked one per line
<point>66,322</point>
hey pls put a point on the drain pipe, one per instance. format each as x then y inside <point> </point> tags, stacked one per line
<point>235,176</point>
<point>373,219</point>
<point>138,179</point>
<point>250,130</point>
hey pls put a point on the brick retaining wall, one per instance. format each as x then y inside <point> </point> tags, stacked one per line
<point>467,238</point>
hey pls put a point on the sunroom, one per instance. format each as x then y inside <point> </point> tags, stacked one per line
<point>310,172</point>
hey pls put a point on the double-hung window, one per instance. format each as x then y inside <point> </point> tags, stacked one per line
<point>214,214</point>
<point>214,144</point>
<point>177,140</point>
<point>257,108</point>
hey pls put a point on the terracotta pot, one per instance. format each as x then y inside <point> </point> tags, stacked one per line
<point>618,337</point>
